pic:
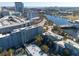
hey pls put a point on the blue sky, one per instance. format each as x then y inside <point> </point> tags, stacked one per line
<point>43,4</point>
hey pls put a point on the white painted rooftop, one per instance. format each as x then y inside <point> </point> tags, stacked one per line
<point>6,21</point>
<point>1,35</point>
<point>76,20</point>
<point>53,34</point>
<point>60,43</point>
<point>35,50</point>
<point>74,44</point>
<point>35,18</point>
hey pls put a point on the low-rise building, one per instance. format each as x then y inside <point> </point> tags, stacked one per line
<point>34,50</point>
<point>73,47</point>
<point>51,35</point>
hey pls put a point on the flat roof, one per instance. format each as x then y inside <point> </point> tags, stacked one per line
<point>72,43</point>
<point>60,43</point>
<point>35,50</point>
<point>17,30</point>
<point>52,38</point>
<point>35,18</point>
<point>1,35</point>
<point>10,20</point>
<point>53,34</point>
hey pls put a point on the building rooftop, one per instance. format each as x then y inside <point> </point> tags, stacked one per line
<point>35,50</point>
<point>72,43</point>
<point>77,20</point>
<point>35,18</point>
<point>4,34</point>
<point>60,43</point>
<point>1,35</point>
<point>8,23</point>
<point>59,37</point>
<point>10,20</point>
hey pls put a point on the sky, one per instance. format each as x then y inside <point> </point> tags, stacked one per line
<point>43,4</point>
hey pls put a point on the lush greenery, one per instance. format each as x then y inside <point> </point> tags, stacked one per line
<point>66,52</point>
<point>44,48</point>
<point>11,52</point>
<point>38,39</point>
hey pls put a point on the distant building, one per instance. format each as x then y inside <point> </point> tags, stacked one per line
<point>19,7</point>
<point>31,14</point>
<point>15,13</point>
<point>4,13</point>
<point>24,14</point>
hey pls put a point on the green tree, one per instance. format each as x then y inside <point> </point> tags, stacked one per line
<point>41,15</point>
<point>65,36</point>
<point>38,39</point>
<point>56,28</point>
<point>10,51</point>
<point>46,29</point>
<point>66,52</point>
<point>0,51</point>
<point>44,48</point>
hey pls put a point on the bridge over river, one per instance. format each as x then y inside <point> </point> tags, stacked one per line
<point>75,26</point>
<point>62,22</point>
<point>71,28</point>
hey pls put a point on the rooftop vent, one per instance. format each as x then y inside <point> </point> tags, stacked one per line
<point>11,19</point>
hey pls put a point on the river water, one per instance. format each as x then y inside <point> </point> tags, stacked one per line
<point>62,21</point>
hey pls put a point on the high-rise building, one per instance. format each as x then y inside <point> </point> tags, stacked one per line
<point>32,13</point>
<point>19,7</point>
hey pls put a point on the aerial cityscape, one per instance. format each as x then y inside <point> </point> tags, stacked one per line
<point>38,31</point>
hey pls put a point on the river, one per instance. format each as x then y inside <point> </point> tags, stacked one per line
<point>62,21</point>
